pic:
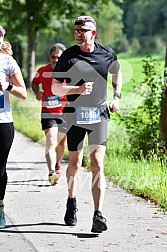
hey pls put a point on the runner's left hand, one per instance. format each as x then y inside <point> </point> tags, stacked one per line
<point>3,85</point>
<point>114,105</point>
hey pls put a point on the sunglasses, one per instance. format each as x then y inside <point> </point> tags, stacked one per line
<point>54,57</point>
<point>81,31</point>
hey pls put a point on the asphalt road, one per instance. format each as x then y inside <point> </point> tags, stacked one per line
<point>35,211</point>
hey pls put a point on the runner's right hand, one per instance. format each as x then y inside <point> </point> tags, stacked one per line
<point>39,95</point>
<point>86,88</point>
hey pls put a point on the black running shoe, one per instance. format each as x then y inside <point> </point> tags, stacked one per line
<point>99,223</point>
<point>70,217</point>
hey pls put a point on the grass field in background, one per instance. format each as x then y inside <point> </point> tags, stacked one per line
<point>146,179</point>
<point>26,115</point>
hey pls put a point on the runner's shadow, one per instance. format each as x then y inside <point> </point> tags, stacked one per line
<point>29,182</point>
<point>15,226</point>
<point>20,169</point>
<point>34,224</point>
<point>26,162</point>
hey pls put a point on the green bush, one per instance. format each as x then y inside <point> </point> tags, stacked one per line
<point>142,125</point>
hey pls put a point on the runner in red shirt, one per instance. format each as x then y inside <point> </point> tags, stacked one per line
<point>52,119</point>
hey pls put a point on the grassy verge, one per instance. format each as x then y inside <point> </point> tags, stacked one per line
<point>142,178</point>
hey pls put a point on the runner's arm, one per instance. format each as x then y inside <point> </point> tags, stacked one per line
<point>117,83</point>
<point>19,88</point>
<point>38,93</point>
<point>59,89</point>
<point>117,87</point>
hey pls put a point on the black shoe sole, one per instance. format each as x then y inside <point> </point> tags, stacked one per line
<point>70,223</point>
<point>99,227</point>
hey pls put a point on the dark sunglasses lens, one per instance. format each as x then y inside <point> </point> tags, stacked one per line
<point>54,57</point>
<point>81,31</point>
<point>79,22</point>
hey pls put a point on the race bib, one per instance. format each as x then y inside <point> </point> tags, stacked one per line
<point>88,115</point>
<point>1,100</point>
<point>53,101</point>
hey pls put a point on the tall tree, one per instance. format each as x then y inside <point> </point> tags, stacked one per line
<point>35,15</point>
<point>145,21</point>
<point>111,26</point>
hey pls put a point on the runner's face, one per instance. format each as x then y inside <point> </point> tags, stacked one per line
<point>1,39</point>
<point>54,56</point>
<point>82,35</point>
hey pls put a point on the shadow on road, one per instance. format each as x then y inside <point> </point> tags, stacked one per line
<point>8,229</point>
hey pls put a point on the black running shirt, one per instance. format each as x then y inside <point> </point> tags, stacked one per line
<point>78,67</point>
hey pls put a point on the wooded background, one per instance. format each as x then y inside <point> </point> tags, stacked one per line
<point>32,26</point>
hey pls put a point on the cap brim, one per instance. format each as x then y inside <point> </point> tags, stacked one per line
<point>2,31</point>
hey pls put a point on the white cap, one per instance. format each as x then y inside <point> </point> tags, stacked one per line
<point>2,30</point>
<point>88,23</point>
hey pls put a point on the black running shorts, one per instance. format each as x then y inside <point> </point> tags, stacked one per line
<point>97,134</point>
<point>54,121</point>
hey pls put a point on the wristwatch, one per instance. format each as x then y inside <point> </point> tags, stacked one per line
<point>117,95</point>
<point>10,86</point>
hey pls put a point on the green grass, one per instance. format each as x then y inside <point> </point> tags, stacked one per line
<point>131,73</point>
<point>26,115</point>
<point>132,67</point>
<point>147,179</point>
<point>133,77</point>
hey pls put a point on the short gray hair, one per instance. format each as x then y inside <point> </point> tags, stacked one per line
<point>57,47</point>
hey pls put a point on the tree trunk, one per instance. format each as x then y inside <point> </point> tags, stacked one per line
<point>18,53</point>
<point>30,55</point>
<point>163,120</point>
<point>165,67</point>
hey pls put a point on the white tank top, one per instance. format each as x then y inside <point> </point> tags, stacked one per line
<point>8,67</point>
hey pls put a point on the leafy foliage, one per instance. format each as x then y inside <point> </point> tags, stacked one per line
<point>110,27</point>
<point>145,21</point>
<point>143,124</point>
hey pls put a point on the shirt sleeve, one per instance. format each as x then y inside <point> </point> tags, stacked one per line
<point>114,66</point>
<point>13,66</point>
<point>37,77</point>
